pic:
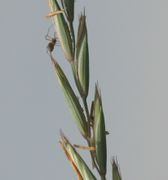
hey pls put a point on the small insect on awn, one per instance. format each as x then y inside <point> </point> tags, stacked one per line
<point>52,41</point>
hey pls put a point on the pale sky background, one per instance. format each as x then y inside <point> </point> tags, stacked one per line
<point>128,56</point>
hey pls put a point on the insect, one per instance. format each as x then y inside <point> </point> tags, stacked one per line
<point>52,41</point>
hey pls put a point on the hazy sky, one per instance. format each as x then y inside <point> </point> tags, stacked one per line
<point>128,42</point>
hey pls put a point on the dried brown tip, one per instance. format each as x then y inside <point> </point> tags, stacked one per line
<point>91,148</point>
<point>76,170</point>
<point>51,14</point>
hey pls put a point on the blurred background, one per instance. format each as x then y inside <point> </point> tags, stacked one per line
<point>128,43</point>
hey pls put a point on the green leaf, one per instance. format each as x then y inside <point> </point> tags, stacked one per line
<point>62,30</point>
<point>115,171</point>
<point>82,57</point>
<point>77,161</point>
<point>72,100</point>
<point>99,133</point>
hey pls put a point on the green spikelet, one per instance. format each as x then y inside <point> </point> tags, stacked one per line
<point>72,100</point>
<point>100,133</point>
<point>62,30</point>
<point>82,58</point>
